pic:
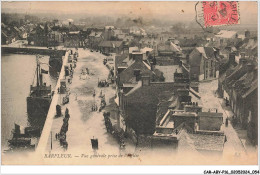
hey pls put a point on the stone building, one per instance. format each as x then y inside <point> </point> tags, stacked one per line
<point>203,62</point>
<point>111,47</point>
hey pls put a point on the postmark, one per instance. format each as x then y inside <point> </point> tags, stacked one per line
<point>218,13</point>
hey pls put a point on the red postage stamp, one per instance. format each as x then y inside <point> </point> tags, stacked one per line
<point>218,13</point>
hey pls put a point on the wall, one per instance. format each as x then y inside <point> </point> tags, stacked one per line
<point>192,108</point>
<point>251,107</point>
<point>189,120</point>
<point>142,121</point>
<point>42,51</point>
<point>165,143</point>
<point>164,130</point>
<point>195,61</point>
<point>217,74</point>
<point>141,112</point>
<point>210,123</point>
<point>201,77</point>
<point>157,142</point>
<point>144,141</point>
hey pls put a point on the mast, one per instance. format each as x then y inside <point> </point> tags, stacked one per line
<point>39,74</point>
<point>37,69</point>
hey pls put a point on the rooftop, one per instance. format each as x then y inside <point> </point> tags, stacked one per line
<point>207,52</point>
<point>207,142</point>
<point>168,71</point>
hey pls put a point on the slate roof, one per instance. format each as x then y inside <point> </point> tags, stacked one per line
<point>253,87</point>
<point>247,81</point>
<point>127,75</point>
<point>208,142</point>
<point>206,52</point>
<point>120,60</point>
<point>168,71</point>
<point>235,75</point>
<point>155,88</point>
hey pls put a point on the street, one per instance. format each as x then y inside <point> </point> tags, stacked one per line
<point>233,146</point>
<point>85,124</point>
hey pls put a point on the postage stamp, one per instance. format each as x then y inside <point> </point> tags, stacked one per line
<point>217,13</point>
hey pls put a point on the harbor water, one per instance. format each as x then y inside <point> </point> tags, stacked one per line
<point>18,73</point>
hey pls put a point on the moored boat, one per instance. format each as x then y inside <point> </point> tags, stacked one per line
<point>39,99</point>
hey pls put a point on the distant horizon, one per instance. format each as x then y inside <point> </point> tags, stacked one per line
<point>170,11</point>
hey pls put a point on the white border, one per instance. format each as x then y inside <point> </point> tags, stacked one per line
<point>171,169</point>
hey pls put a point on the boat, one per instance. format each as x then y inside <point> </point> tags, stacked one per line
<point>24,139</point>
<point>39,99</point>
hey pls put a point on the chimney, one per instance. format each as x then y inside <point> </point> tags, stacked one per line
<point>232,57</point>
<point>250,67</point>
<point>180,63</point>
<point>137,56</point>
<point>137,74</point>
<point>242,61</point>
<point>145,80</point>
<point>243,54</point>
<point>247,34</point>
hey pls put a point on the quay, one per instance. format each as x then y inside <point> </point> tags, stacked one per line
<point>83,124</point>
<point>33,50</point>
<point>52,110</point>
<point>55,60</point>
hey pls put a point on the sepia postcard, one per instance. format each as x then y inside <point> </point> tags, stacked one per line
<point>129,83</point>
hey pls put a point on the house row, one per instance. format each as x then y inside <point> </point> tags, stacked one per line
<point>238,84</point>
<point>156,112</point>
<point>10,34</point>
<point>165,112</point>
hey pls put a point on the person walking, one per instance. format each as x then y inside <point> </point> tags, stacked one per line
<point>226,122</point>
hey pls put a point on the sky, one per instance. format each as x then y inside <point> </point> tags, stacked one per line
<point>178,10</point>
